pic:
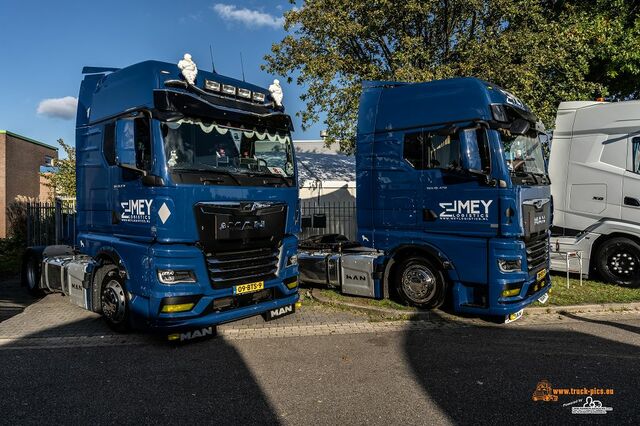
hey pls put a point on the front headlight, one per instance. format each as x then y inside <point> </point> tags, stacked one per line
<point>292,260</point>
<point>170,276</point>
<point>510,265</point>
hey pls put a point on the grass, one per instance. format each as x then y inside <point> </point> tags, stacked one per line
<point>591,292</point>
<point>385,303</point>
<point>10,256</point>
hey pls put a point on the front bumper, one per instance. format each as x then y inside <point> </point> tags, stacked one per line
<point>212,306</point>
<point>177,324</point>
<point>487,299</point>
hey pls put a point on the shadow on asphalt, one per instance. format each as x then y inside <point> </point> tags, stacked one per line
<point>487,375</point>
<point>621,326</point>
<point>13,297</point>
<point>145,382</point>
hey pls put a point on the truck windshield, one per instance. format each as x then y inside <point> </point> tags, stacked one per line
<point>523,154</point>
<point>192,144</point>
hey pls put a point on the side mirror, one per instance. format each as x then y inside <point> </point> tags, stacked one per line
<point>125,144</point>
<point>469,150</point>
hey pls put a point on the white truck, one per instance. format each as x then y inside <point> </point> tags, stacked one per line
<point>595,184</point>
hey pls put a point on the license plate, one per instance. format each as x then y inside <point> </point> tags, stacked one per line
<point>279,312</point>
<point>544,298</point>
<point>541,274</point>
<point>513,317</point>
<point>248,288</point>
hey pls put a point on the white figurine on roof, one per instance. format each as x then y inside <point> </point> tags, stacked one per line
<point>189,69</point>
<point>276,92</point>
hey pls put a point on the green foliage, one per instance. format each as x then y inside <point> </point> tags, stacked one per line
<point>544,51</point>
<point>63,180</point>
<point>10,256</point>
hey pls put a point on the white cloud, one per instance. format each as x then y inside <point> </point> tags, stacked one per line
<point>64,108</point>
<point>248,17</point>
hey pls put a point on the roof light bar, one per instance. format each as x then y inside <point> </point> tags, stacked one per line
<point>244,93</point>
<point>212,85</point>
<point>229,90</point>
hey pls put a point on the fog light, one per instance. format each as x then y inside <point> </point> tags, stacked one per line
<point>182,307</point>
<point>510,265</point>
<point>511,292</point>
<point>169,276</point>
<point>292,285</point>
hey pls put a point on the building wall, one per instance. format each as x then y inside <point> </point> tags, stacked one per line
<point>20,162</point>
<point>3,185</point>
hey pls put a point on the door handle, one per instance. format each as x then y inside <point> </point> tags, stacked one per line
<point>630,201</point>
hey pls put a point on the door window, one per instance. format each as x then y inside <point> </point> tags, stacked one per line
<point>432,151</point>
<point>635,154</point>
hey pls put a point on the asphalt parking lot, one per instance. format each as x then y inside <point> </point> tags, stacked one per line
<point>61,364</point>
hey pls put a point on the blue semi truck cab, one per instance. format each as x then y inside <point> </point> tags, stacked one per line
<point>453,199</point>
<point>187,201</point>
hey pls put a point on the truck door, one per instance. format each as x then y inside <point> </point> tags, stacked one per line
<point>395,185</point>
<point>132,201</point>
<point>631,183</point>
<point>454,197</point>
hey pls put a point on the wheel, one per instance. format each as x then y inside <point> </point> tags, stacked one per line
<point>114,303</point>
<point>31,270</point>
<point>419,283</point>
<point>618,261</point>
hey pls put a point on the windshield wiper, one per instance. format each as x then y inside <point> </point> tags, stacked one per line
<point>271,175</point>
<point>526,176</point>
<point>205,179</point>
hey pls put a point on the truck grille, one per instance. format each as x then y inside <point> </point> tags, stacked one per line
<point>239,267</point>
<point>537,252</point>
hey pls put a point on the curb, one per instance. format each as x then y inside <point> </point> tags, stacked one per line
<point>605,307</point>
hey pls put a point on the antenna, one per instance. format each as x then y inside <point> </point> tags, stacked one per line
<point>242,66</point>
<point>213,67</point>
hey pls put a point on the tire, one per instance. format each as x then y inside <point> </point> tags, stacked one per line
<point>618,262</point>
<point>31,273</point>
<point>418,282</point>
<point>114,301</point>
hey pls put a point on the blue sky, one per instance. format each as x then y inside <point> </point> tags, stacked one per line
<point>45,44</point>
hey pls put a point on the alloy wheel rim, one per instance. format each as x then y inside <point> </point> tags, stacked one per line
<point>419,283</point>
<point>114,301</point>
<point>623,263</point>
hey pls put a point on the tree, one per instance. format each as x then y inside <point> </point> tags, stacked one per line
<point>63,179</point>
<point>544,51</point>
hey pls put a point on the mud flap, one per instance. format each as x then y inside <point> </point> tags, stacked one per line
<point>196,334</point>
<point>276,313</point>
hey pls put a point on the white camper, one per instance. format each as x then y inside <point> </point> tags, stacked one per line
<point>595,182</point>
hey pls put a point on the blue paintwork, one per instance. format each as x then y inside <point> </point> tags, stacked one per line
<point>392,195</point>
<point>142,248</point>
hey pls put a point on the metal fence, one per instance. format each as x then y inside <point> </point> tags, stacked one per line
<point>54,222</point>
<point>51,222</point>
<point>337,217</point>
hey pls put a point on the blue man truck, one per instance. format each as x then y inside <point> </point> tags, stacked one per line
<point>453,198</point>
<point>187,202</point>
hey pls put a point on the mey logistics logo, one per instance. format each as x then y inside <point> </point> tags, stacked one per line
<point>466,210</point>
<point>136,211</point>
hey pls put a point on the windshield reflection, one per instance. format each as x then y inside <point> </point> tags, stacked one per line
<point>192,144</point>
<point>523,153</point>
